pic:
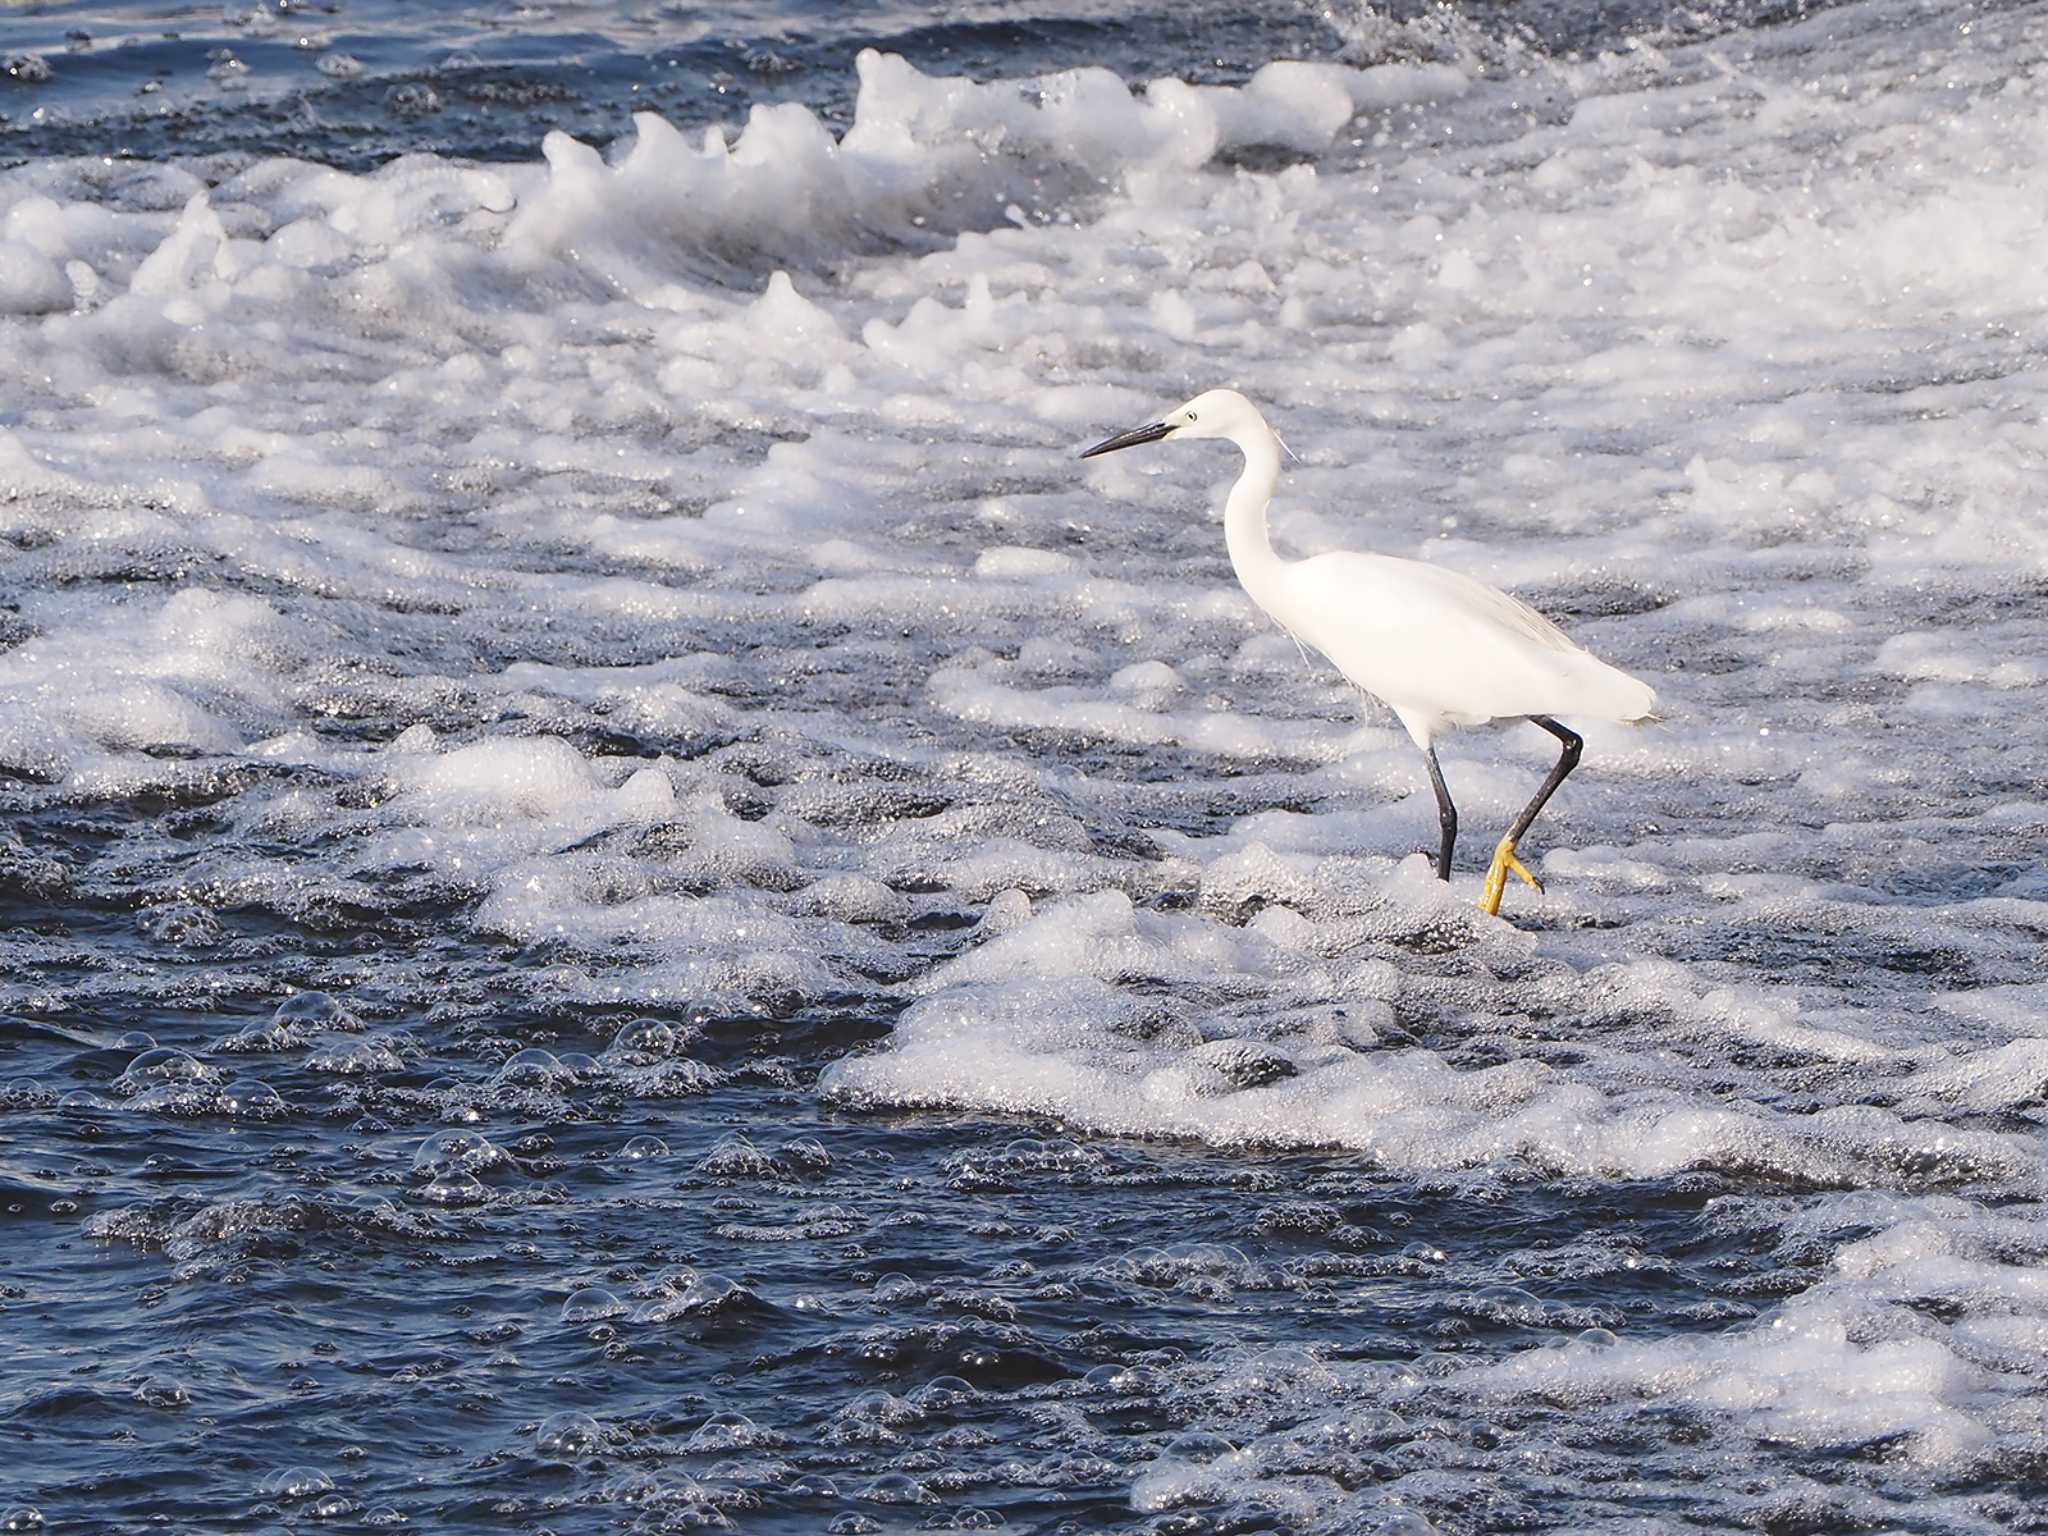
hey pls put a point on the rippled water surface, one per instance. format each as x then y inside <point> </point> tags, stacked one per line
<point>628,902</point>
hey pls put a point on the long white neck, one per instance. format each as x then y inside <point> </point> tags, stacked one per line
<point>1244,516</point>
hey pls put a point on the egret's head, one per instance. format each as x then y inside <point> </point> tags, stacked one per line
<point>1213,413</point>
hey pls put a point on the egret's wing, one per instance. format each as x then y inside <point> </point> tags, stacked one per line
<point>1436,599</point>
<point>1439,644</point>
<point>1563,678</point>
<point>1490,605</point>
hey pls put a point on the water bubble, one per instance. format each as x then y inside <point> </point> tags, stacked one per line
<point>1598,1338</point>
<point>136,1040</point>
<point>162,1064</point>
<point>84,1099</point>
<point>727,1432</point>
<point>161,1392</point>
<point>1216,1259</point>
<point>1406,1523</point>
<point>533,1068</point>
<point>641,1148</point>
<point>267,1037</point>
<point>811,1485</point>
<point>1376,1426</point>
<point>805,1154</point>
<point>641,1041</point>
<point>660,1305</point>
<point>590,1305</point>
<point>384,1514</point>
<point>347,1057</point>
<point>180,922</point>
<point>568,1434</point>
<point>412,98</point>
<point>333,1507</point>
<point>174,1099</point>
<point>1423,1253</point>
<point>876,1406</point>
<point>735,1157</point>
<point>894,1287</point>
<point>22,1517</point>
<point>698,1293</point>
<point>251,1098</point>
<point>1507,1304</point>
<point>296,1483</point>
<point>316,1010</point>
<point>1199,1447</point>
<point>578,1062</point>
<point>642,1488</point>
<point>897,1488</point>
<point>1506,1295</point>
<point>852,1523</point>
<point>943,1392</point>
<point>1209,1270</point>
<point>454,1187</point>
<point>1128,1380</point>
<point>371,1206</point>
<point>455,1150</point>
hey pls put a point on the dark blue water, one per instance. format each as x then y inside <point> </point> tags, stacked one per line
<point>321,1218</point>
<point>769,1312</point>
<point>355,84</point>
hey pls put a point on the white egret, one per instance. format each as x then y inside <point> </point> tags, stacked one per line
<point>1438,648</point>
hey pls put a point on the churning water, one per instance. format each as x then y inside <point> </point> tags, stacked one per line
<point>629,903</point>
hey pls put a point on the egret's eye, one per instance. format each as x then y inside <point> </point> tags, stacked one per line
<point>1191,418</point>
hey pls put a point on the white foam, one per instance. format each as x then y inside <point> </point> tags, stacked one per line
<point>922,152</point>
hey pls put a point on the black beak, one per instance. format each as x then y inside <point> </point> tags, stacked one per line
<point>1130,439</point>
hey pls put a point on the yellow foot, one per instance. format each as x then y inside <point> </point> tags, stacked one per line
<point>1504,861</point>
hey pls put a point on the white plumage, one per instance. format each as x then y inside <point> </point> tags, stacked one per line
<point>1435,646</point>
<point>1441,649</point>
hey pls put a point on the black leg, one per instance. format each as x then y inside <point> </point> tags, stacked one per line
<point>1566,762</point>
<point>1446,815</point>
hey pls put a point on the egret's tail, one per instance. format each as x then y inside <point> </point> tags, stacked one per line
<point>1610,693</point>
